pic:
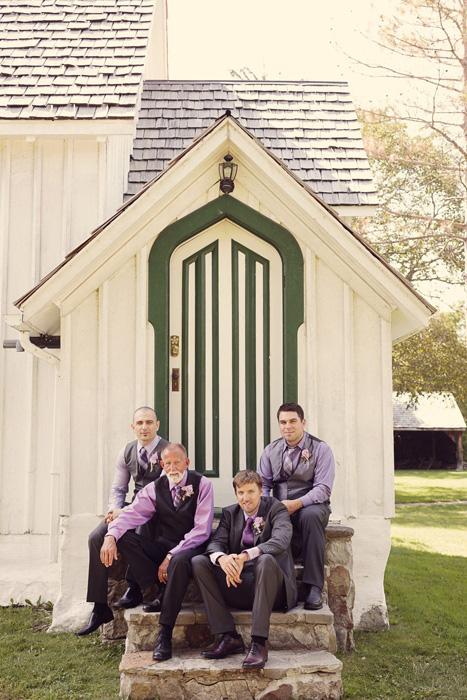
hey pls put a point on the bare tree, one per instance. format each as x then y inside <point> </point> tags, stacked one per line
<point>426,45</point>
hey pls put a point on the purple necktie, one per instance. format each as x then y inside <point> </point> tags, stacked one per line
<point>143,460</point>
<point>247,536</point>
<point>177,496</point>
<point>287,468</point>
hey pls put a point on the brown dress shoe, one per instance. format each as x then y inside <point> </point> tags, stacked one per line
<point>256,657</point>
<point>226,645</point>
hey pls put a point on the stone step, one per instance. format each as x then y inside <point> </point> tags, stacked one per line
<point>298,674</point>
<point>296,629</point>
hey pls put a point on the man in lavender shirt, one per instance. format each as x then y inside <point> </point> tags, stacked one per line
<point>299,469</point>
<point>140,460</point>
<point>184,503</point>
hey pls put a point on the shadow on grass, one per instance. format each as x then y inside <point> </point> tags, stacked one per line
<point>422,655</point>
<point>452,517</point>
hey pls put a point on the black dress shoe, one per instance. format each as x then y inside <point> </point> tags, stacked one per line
<point>163,649</point>
<point>95,621</point>
<point>226,645</point>
<point>313,600</point>
<point>256,657</point>
<point>131,598</point>
<point>156,604</point>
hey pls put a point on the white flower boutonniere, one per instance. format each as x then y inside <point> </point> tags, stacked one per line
<point>187,491</point>
<point>258,524</point>
<point>154,461</point>
<point>306,455</point>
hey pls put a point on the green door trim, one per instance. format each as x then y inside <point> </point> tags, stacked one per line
<point>224,207</point>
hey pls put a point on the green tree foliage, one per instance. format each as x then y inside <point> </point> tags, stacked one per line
<point>435,360</point>
<point>418,226</point>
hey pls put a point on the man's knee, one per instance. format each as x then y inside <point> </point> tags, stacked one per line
<point>96,537</point>
<point>313,516</point>
<point>180,564</point>
<point>266,563</point>
<point>200,563</point>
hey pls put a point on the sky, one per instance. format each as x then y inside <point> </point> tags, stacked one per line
<point>283,40</point>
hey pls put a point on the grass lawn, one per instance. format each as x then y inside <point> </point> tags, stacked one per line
<point>421,657</point>
<point>35,665</point>
<point>421,486</point>
<point>423,654</point>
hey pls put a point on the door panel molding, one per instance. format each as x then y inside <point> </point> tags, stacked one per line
<point>224,207</point>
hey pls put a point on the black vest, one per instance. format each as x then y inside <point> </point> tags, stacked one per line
<point>174,524</point>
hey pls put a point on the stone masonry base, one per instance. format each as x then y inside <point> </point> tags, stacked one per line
<point>299,674</point>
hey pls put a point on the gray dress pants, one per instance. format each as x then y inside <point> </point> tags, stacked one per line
<point>261,590</point>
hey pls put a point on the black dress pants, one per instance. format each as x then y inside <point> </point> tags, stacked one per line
<point>98,574</point>
<point>144,555</point>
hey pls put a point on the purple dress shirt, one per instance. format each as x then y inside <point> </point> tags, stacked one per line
<point>144,506</point>
<point>323,476</point>
<point>122,476</point>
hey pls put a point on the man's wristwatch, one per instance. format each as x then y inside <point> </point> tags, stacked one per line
<point>169,556</point>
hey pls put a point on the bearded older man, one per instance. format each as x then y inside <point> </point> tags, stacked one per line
<point>184,504</point>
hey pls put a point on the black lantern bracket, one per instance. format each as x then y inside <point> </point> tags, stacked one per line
<point>227,174</point>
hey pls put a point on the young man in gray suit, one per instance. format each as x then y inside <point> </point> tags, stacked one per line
<point>299,469</point>
<point>140,459</point>
<point>247,565</point>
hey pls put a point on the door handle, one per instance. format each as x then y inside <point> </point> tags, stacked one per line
<point>175,379</point>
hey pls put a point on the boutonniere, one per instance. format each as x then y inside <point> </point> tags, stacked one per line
<point>306,455</point>
<point>154,461</point>
<point>258,524</point>
<point>187,491</point>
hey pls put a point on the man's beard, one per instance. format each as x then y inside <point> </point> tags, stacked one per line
<point>175,478</point>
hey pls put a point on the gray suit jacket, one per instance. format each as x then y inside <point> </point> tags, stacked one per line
<point>274,538</point>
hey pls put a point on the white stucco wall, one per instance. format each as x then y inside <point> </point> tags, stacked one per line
<point>55,187</point>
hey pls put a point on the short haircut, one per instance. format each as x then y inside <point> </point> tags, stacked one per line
<point>289,408</point>
<point>174,446</point>
<point>144,408</point>
<point>246,476</point>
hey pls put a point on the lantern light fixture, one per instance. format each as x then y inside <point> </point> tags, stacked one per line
<point>227,174</point>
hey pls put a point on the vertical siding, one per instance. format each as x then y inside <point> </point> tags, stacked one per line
<point>53,192</point>
<point>102,380</point>
<point>369,409</point>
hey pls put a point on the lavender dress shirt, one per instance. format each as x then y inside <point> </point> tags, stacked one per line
<point>323,476</point>
<point>122,476</point>
<point>144,506</point>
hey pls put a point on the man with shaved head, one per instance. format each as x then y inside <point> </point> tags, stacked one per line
<point>184,503</point>
<point>140,459</point>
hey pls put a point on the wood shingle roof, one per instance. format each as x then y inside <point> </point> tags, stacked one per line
<point>437,411</point>
<point>311,127</point>
<point>72,59</point>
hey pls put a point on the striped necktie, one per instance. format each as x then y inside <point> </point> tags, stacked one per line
<point>177,496</point>
<point>287,468</point>
<point>143,460</point>
<point>248,537</point>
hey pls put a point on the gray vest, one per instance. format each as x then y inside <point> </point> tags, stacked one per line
<point>131,463</point>
<point>301,481</point>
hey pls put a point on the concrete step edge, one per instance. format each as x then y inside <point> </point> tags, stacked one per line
<point>195,615</point>
<point>191,664</point>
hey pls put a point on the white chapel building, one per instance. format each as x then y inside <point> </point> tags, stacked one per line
<point>129,278</point>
